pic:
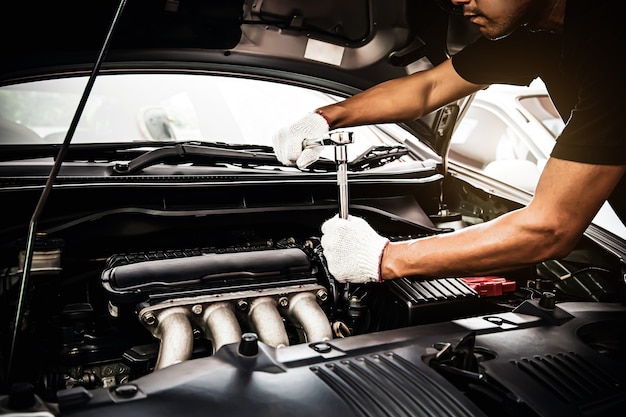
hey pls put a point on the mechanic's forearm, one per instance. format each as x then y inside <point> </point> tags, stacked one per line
<point>391,101</point>
<point>505,243</point>
<point>401,99</point>
<point>549,227</point>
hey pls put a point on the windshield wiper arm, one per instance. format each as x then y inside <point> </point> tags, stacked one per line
<point>194,152</point>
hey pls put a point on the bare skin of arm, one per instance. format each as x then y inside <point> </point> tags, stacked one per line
<point>549,227</point>
<point>402,99</point>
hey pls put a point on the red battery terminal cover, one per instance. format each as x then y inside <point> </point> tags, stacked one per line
<point>490,286</point>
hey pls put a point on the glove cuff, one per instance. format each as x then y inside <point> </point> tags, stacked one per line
<point>321,113</point>
<point>380,262</point>
<point>368,261</point>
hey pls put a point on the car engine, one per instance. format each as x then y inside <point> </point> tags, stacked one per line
<point>151,286</point>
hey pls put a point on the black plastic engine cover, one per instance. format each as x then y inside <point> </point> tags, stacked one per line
<point>536,369</point>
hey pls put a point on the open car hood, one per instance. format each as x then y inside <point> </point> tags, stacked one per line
<point>354,43</point>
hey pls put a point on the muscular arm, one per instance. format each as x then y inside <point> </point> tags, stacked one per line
<point>402,99</point>
<point>566,199</point>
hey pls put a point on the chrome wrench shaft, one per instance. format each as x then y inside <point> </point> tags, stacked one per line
<point>339,140</point>
<point>341,158</point>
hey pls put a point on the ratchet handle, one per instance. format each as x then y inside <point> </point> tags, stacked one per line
<point>341,159</point>
<point>338,140</point>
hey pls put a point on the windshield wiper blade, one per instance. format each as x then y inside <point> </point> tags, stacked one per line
<point>377,156</point>
<point>245,155</point>
<point>373,157</point>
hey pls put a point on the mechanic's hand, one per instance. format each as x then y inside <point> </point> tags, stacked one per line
<point>352,249</point>
<point>288,141</point>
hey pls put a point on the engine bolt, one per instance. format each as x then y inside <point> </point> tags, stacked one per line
<point>283,302</point>
<point>242,305</point>
<point>322,295</point>
<point>196,309</point>
<point>149,318</point>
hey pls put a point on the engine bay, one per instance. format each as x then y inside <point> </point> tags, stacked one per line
<point>138,295</point>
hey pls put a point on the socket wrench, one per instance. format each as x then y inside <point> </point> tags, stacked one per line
<point>339,140</point>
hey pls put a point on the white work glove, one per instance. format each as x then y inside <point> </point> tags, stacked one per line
<point>288,141</point>
<point>352,249</point>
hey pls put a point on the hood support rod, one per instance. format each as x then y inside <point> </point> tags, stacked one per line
<point>48,187</point>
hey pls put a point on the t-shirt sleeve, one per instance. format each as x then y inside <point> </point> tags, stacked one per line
<point>508,60</point>
<point>593,133</point>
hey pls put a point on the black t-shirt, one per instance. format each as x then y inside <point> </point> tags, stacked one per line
<point>581,69</point>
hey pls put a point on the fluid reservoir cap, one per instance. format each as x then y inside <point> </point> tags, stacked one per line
<point>548,300</point>
<point>249,344</point>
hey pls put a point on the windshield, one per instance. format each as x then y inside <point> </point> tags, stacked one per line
<point>165,107</point>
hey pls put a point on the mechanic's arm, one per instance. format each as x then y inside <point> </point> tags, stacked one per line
<point>398,100</point>
<point>568,196</point>
<point>401,99</point>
